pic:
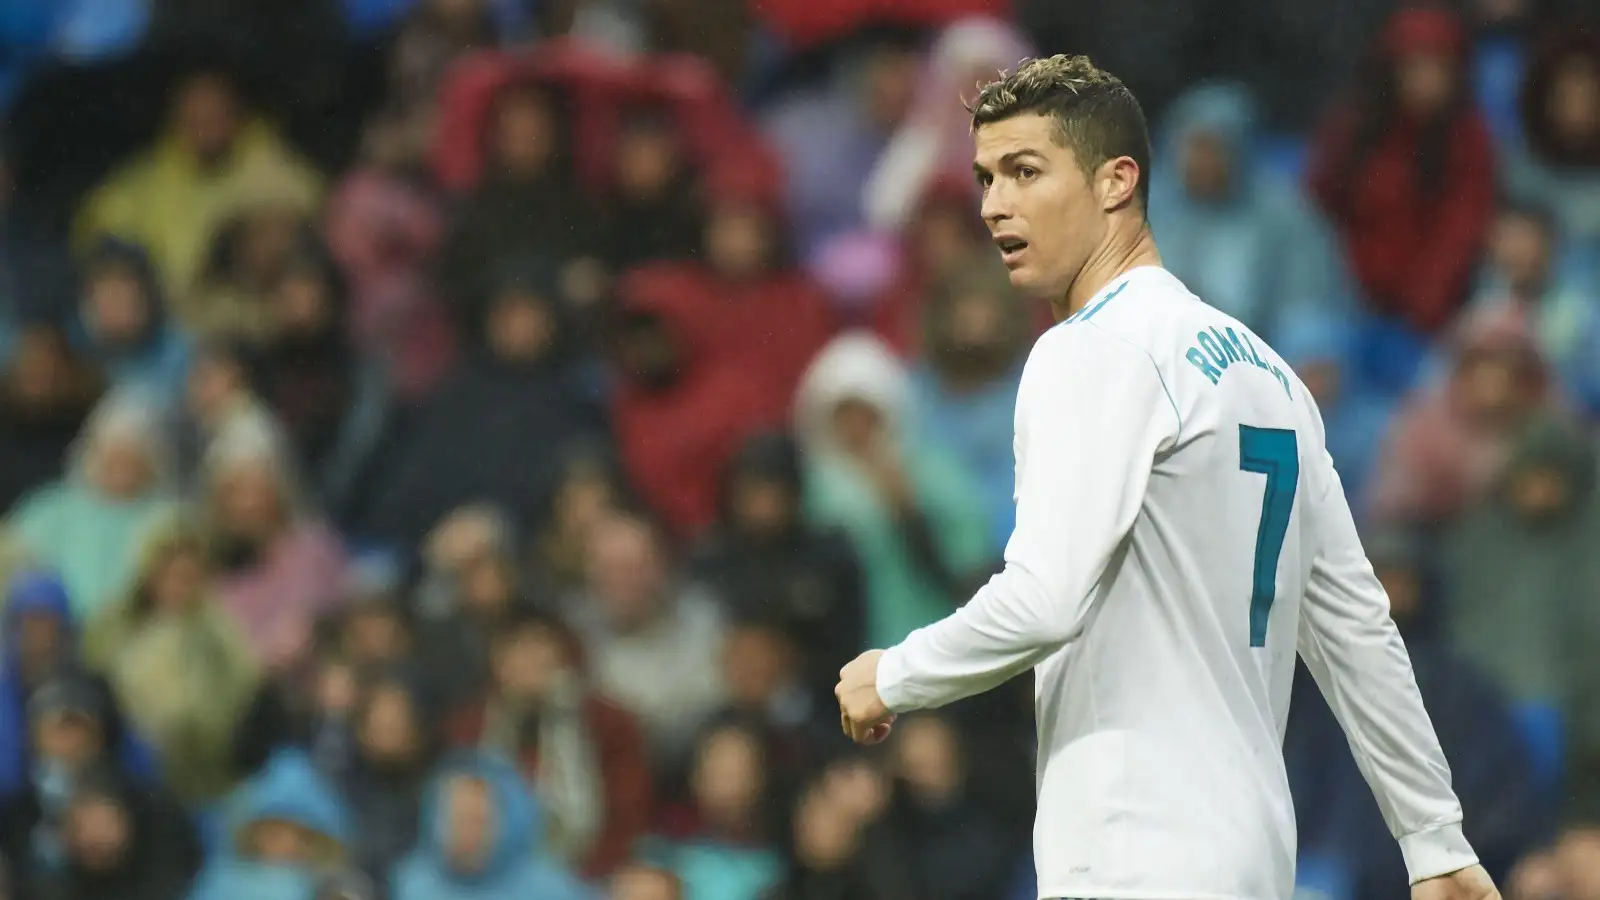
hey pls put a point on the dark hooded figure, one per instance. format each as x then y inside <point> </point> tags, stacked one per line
<point>766,562</point>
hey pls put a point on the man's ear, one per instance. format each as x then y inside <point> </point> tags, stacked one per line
<point>1117,182</point>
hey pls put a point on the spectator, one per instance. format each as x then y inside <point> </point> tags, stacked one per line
<point>680,409</point>
<point>943,235</point>
<point>765,316</point>
<point>721,847</point>
<point>332,403</point>
<point>766,561</point>
<point>220,406</point>
<point>179,664</point>
<point>1238,235</point>
<point>590,487</point>
<point>468,593</point>
<point>582,755</point>
<point>310,709</point>
<point>88,525</point>
<point>480,833</point>
<point>394,751</point>
<point>174,195</point>
<point>1449,440</point>
<point>122,322</point>
<point>528,203</point>
<point>935,139</point>
<point>383,225</point>
<point>653,213</point>
<point>644,882</point>
<point>1355,415</point>
<point>830,136</point>
<point>287,831</point>
<point>955,849</point>
<point>914,520</point>
<point>279,565</point>
<point>497,427</point>
<point>964,390</point>
<point>1523,576</point>
<point>46,393</point>
<point>1521,274</point>
<point>1405,171</point>
<point>1557,164</point>
<point>837,854</point>
<point>374,631</point>
<point>40,641</point>
<point>74,729</point>
<point>230,299</point>
<point>121,841</point>
<point>761,667</point>
<point>652,643</point>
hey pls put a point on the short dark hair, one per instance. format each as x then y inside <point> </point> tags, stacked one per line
<point>1096,116</point>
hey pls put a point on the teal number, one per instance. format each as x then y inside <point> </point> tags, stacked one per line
<point>1274,453</point>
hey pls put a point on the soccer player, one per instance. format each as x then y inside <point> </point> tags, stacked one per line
<point>1181,533</point>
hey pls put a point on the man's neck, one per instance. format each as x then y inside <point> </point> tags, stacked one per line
<point>1117,255</point>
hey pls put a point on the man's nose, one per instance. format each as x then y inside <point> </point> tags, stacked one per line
<point>995,209</point>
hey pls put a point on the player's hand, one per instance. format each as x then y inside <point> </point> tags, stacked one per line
<point>862,714</point>
<point>1471,883</point>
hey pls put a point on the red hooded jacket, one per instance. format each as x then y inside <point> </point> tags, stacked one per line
<point>1413,253</point>
<point>675,440</point>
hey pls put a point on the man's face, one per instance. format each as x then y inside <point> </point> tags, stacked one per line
<point>98,833</point>
<point>1039,207</point>
<point>389,732</point>
<point>1574,103</point>
<point>756,663</point>
<point>115,308</point>
<point>1207,167</point>
<point>1427,82</point>
<point>207,117</point>
<point>526,663</point>
<point>1520,247</point>
<point>626,572</point>
<point>762,507</point>
<point>520,327</point>
<point>469,824</point>
<point>41,640</point>
<point>72,738</point>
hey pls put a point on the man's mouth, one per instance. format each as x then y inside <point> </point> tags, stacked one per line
<point>1010,247</point>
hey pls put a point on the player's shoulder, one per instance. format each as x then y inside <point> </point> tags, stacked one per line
<point>1130,322</point>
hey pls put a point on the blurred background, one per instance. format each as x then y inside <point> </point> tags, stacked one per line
<point>448,447</point>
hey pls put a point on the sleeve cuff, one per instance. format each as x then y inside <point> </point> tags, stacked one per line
<point>1436,851</point>
<point>892,681</point>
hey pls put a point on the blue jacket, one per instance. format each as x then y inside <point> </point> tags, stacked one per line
<point>1256,251</point>
<point>288,789</point>
<point>517,867</point>
<point>42,593</point>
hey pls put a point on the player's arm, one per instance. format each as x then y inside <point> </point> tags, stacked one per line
<point>1092,413</point>
<point>1354,650</point>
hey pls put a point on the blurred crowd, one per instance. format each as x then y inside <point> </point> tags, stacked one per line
<point>448,447</point>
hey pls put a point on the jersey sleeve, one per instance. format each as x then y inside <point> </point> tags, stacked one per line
<point>1353,649</point>
<point>1092,414</point>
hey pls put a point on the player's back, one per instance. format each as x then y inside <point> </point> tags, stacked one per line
<point>1161,726</point>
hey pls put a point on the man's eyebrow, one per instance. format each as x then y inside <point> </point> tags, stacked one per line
<point>1008,159</point>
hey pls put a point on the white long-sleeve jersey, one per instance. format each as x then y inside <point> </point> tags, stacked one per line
<point>1180,534</point>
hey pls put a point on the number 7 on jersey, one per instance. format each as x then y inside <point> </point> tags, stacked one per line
<point>1272,452</point>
